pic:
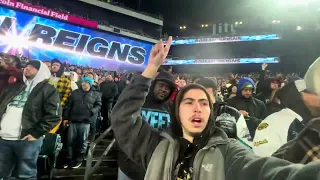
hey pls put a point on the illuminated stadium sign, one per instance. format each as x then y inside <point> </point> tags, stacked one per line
<point>268,60</point>
<point>46,39</point>
<point>226,39</point>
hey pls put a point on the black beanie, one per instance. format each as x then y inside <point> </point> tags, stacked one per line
<point>35,64</point>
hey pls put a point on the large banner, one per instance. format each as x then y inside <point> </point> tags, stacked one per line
<point>227,39</point>
<point>49,13</point>
<point>45,39</point>
<point>269,60</point>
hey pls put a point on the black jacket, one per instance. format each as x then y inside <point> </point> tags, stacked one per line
<point>42,111</point>
<point>229,127</point>
<point>139,141</point>
<point>109,91</point>
<point>81,106</point>
<point>257,111</point>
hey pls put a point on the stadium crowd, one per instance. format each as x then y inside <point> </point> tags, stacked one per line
<point>166,125</point>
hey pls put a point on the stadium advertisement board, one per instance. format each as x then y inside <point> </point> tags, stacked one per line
<point>45,39</point>
<point>49,13</point>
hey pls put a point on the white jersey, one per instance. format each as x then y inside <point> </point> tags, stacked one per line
<point>276,130</point>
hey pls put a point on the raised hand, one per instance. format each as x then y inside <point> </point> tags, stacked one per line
<point>264,66</point>
<point>159,53</point>
<point>157,56</point>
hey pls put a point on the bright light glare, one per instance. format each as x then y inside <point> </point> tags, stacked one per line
<point>236,23</point>
<point>240,22</point>
<point>184,27</point>
<point>278,21</point>
<point>299,28</point>
<point>180,27</point>
<point>202,25</point>
<point>206,25</point>
<point>295,2</point>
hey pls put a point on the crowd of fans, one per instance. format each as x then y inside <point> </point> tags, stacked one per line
<point>268,113</point>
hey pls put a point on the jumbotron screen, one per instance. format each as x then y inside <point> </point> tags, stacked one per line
<point>44,39</point>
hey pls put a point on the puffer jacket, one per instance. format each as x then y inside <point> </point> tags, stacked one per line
<point>81,106</point>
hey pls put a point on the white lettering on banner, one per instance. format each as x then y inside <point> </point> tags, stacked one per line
<point>7,2</point>
<point>31,8</point>
<point>59,16</point>
<point>48,12</point>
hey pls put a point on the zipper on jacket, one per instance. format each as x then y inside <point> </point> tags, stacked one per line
<point>58,105</point>
<point>195,167</point>
<point>16,94</point>
<point>10,99</point>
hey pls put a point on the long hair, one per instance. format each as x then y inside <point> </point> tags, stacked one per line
<point>176,127</point>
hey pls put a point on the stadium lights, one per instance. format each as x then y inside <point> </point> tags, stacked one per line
<point>183,27</point>
<point>180,27</point>
<point>202,25</point>
<point>240,22</point>
<point>299,28</point>
<point>236,23</point>
<point>206,25</point>
<point>276,21</point>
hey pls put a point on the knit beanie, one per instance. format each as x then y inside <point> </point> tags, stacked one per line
<point>88,80</point>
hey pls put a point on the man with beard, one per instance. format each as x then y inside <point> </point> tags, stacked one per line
<point>253,110</point>
<point>193,148</point>
<point>109,90</point>
<point>59,81</point>
<point>28,110</point>
<point>156,111</point>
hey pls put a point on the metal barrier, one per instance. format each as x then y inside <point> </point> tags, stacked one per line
<point>89,169</point>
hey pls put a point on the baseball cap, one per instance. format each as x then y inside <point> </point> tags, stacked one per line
<point>312,77</point>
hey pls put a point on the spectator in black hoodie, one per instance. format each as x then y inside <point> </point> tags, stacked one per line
<point>109,90</point>
<point>82,104</point>
<point>156,111</point>
<point>253,110</point>
<point>266,86</point>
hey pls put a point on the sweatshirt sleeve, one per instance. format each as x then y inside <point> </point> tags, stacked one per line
<point>134,135</point>
<point>241,163</point>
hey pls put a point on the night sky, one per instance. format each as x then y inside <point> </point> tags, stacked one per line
<point>193,13</point>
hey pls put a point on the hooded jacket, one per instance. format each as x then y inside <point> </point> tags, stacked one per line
<point>283,126</point>
<point>256,109</point>
<point>63,85</point>
<point>30,107</point>
<point>74,81</point>
<point>157,114</point>
<point>217,157</point>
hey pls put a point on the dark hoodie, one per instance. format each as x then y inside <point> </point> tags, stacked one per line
<point>218,157</point>
<point>257,109</point>
<point>157,114</point>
